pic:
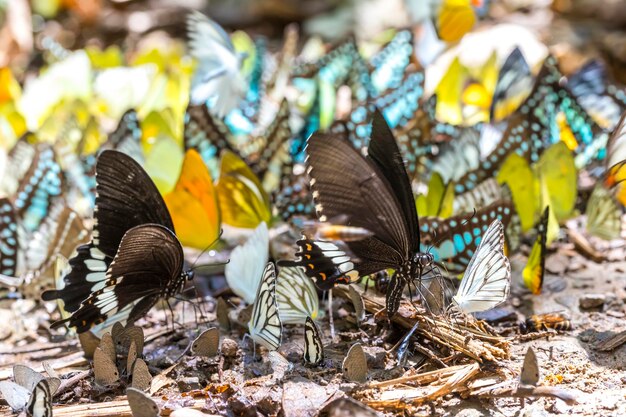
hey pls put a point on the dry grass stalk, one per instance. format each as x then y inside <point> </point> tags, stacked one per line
<point>469,338</point>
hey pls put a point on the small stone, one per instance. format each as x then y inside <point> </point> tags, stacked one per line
<point>189,383</point>
<point>229,348</point>
<point>375,356</point>
<point>590,301</point>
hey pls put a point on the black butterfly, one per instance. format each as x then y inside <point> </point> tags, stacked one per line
<point>134,257</point>
<point>370,192</point>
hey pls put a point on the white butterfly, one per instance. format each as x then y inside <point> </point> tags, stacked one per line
<point>218,74</point>
<point>296,296</point>
<point>265,326</point>
<point>247,261</point>
<point>487,279</point>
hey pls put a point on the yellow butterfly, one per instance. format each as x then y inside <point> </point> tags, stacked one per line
<point>438,201</point>
<point>455,19</point>
<point>535,266</point>
<point>242,199</point>
<point>551,181</point>
<point>193,204</point>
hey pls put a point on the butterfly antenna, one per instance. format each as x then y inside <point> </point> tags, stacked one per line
<point>219,236</point>
<point>466,221</point>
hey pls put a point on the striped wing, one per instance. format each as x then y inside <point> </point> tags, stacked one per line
<point>40,402</point>
<point>488,276</point>
<point>313,348</point>
<point>265,326</point>
<point>296,296</point>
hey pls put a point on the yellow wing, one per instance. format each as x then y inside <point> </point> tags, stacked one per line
<point>557,168</point>
<point>243,202</point>
<point>449,93</point>
<point>517,174</point>
<point>193,204</point>
<point>455,19</point>
<point>439,199</point>
<point>534,269</point>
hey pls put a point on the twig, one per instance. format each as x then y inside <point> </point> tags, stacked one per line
<point>522,391</point>
<point>68,383</point>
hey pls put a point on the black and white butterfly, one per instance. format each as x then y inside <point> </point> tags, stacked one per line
<point>134,257</point>
<point>265,326</point>
<point>373,193</point>
<point>487,280</point>
<point>313,348</point>
<point>40,402</point>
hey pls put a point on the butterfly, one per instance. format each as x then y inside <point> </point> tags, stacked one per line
<point>514,83</point>
<point>454,241</point>
<point>272,156</point>
<point>130,215</point>
<point>247,262</point>
<point>40,402</point>
<point>141,377</point>
<point>487,280</point>
<point>218,74</point>
<point>193,204</point>
<point>27,390</point>
<point>615,168</point>
<point>530,369</point>
<point>207,344</point>
<point>535,266</point>
<point>370,192</point>
<point>265,326</point>
<point>354,366</point>
<point>296,296</point>
<point>604,214</point>
<point>389,64</point>
<point>552,180</point>
<point>596,94</point>
<point>438,201</point>
<point>243,201</point>
<point>206,134</point>
<point>313,348</point>
<point>40,186</point>
<point>141,405</point>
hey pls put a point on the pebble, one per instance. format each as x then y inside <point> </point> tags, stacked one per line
<point>189,383</point>
<point>229,348</point>
<point>590,301</point>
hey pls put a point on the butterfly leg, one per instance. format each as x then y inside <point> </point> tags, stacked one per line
<point>394,295</point>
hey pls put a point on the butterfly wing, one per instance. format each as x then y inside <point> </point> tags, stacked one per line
<point>265,326</point>
<point>243,201</point>
<point>343,183</point>
<point>514,84</point>
<point>9,240</point>
<point>296,296</point>
<point>206,134</point>
<point>126,197</point>
<point>313,348</point>
<point>193,204</point>
<point>40,402</point>
<point>535,266</point>
<point>247,262</point>
<point>148,265</point>
<point>604,215</point>
<point>487,279</point>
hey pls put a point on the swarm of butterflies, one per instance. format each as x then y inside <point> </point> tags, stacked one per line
<point>341,155</point>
